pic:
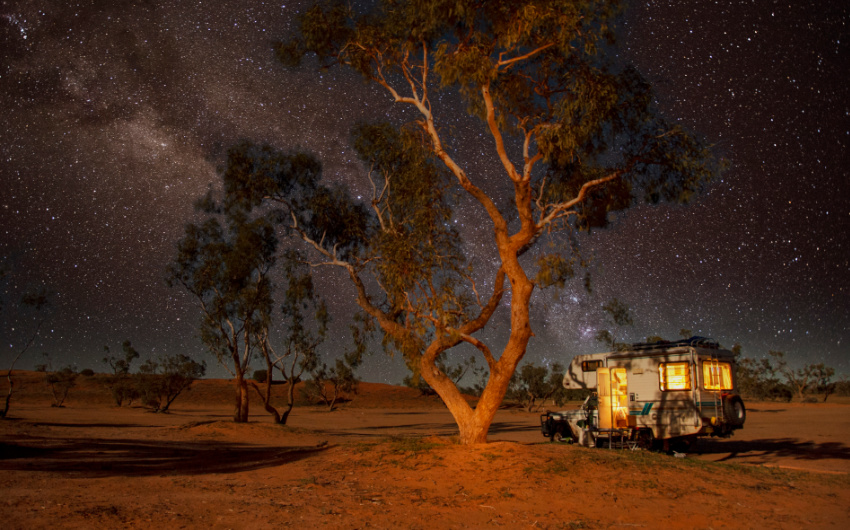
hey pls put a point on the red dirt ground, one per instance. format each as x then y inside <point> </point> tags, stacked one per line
<point>387,459</point>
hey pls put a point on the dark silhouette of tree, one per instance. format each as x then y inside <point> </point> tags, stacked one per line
<point>329,384</point>
<point>226,268</point>
<point>305,326</point>
<point>34,301</point>
<point>822,376</point>
<point>161,381</point>
<point>61,382</point>
<point>811,377</point>
<point>533,385</point>
<point>119,382</point>
<point>573,130</point>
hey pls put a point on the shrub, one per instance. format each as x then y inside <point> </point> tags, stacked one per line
<point>61,383</point>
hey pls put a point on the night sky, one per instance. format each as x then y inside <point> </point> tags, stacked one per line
<point>115,115</point>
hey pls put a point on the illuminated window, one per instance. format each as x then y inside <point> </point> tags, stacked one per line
<point>590,366</point>
<point>675,376</point>
<point>717,375</point>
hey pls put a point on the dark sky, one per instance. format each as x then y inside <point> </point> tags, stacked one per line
<point>117,113</point>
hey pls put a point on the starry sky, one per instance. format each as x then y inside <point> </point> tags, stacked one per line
<point>117,113</point>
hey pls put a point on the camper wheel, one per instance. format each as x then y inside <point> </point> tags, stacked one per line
<point>734,411</point>
<point>562,433</point>
<point>682,444</point>
<point>646,440</point>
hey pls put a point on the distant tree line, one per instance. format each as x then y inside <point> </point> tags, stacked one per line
<point>156,384</point>
<point>771,378</point>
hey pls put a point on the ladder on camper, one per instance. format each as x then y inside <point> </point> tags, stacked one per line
<point>716,376</point>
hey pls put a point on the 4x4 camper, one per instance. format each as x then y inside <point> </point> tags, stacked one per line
<point>651,395</point>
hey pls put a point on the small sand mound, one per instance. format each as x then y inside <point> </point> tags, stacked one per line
<point>257,433</point>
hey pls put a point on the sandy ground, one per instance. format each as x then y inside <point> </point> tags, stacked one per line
<point>386,460</point>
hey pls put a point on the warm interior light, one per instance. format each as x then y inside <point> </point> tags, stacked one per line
<point>717,375</point>
<point>675,376</point>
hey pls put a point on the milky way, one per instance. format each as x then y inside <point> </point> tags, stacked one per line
<point>116,115</point>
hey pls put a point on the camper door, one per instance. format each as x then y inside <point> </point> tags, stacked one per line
<point>613,398</point>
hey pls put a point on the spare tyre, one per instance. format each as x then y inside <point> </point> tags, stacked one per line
<point>734,411</point>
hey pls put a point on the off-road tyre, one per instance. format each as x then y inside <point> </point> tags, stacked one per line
<point>734,411</point>
<point>646,440</point>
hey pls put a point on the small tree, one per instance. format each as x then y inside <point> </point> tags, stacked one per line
<point>161,381</point>
<point>305,325</point>
<point>534,384</point>
<point>37,301</point>
<point>329,384</point>
<point>759,378</point>
<point>226,269</point>
<point>119,382</point>
<point>61,383</point>
<point>801,378</point>
<point>822,376</point>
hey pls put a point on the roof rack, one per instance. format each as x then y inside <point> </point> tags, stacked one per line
<point>701,342</point>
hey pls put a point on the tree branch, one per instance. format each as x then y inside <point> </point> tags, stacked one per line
<point>528,55</point>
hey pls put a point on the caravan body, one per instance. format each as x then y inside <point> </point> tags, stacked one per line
<point>660,391</point>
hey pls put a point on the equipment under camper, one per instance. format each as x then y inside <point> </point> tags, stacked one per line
<point>651,395</point>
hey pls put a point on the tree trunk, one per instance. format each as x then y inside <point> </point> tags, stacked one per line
<point>475,424</point>
<point>334,397</point>
<point>266,399</point>
<point>240,414</point>
<point>290,400</point>
<point>9,395</point>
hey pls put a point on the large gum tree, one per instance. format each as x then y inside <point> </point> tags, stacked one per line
<point>572,131</point>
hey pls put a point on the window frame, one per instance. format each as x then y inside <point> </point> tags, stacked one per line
<point>585,365</point>
<point>663,383</point>
<point>728,368</point>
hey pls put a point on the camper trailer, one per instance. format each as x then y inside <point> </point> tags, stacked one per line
<point>651,395</point>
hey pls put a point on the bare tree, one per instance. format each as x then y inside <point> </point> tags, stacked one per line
<point>39,302</point>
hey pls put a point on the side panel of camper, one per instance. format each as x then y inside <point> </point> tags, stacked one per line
<point>662,390</point>
<point>581,373</point>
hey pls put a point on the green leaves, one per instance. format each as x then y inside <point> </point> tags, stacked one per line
<point>554,270</point>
